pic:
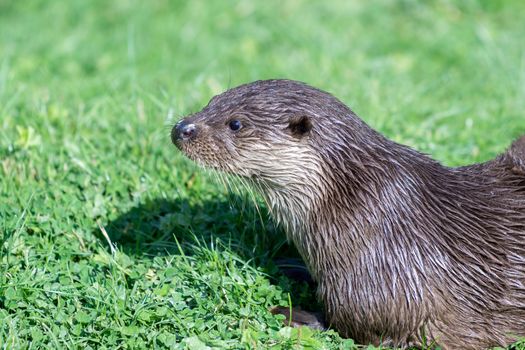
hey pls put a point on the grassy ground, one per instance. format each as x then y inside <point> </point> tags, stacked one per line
<point>88,90</point>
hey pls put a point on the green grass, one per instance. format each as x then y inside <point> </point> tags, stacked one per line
<point>88,91</point>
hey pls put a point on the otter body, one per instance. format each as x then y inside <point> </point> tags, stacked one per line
<point>405,251</point>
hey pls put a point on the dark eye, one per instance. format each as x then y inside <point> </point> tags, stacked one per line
<point>235,125</point>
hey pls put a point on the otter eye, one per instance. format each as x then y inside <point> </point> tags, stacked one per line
<point>235,125</point>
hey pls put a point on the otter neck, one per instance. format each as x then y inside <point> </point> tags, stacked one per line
<point>345,206</point>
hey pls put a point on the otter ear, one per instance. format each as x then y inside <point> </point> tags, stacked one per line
<point>299,126</point>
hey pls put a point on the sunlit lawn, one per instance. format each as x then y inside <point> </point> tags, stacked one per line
<point>88,91</point>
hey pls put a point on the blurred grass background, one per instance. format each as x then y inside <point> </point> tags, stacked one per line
<point>88,91</point>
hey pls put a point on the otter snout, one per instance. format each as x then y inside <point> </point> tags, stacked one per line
<point>183,131</point>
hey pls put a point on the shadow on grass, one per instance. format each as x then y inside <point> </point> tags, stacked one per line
<point>164,227</point>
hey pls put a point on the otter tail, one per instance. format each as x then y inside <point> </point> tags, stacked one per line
<point>511,163</point>
<point>515,156</point>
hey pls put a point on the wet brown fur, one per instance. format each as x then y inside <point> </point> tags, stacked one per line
<point>404,250</point>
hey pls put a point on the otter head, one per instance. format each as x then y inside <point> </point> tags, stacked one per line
<point>266,131</point>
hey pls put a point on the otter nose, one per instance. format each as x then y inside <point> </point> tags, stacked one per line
<point>183,131</point>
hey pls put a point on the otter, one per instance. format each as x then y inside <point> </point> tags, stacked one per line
<point>405,251</point>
